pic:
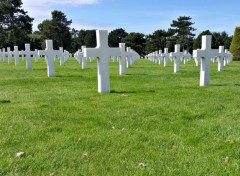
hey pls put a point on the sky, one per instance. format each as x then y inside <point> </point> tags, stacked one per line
<point>144,16</point>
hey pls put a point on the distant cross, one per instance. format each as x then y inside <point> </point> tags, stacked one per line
<point>129,57</point>
<point>176,55</point>
<point>36,55</point>
<point>221,58</point>
<point>122,59</point>
<point>9,53</point>
<point>84,59</point>
<point>103,52</point>
<point>28,53</point>
<point>50,55</point>
<point>4,55</point>
<point>160,57</point>
<point>61,56</point>
<point>165,56</point>
<point>79,55</point>
<point>16,55</point>
<point>206,53</point>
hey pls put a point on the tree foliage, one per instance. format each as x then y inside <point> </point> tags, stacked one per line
<point>158,40</point>
<point>235,45</point>
<point>15,24</point>
<point>136,41</point>
<point>183,32</point>
<point>116,36</point>
<point>57,29</point>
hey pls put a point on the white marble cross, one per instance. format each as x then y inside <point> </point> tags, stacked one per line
<point>221,58</point>
<point>165,56</point>
<point>4,55</point>
<point>206,53</point>
<point>122,60</point>
<point>36,55</point>
<point>61,56</point>
<point>9,53</point>
<point>160,57</point>
<point>16,55</point>
<point>84,59</point>
<point>129,57</point>
<point>103,52</point>
<point>50,55</point>
<point>176,55</point>
<point>28,53</point>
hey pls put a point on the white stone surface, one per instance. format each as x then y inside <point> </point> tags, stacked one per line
<point>28,53</point>
<point>220,59</point>
<point>166,56</point>
<point>176,55</point>
<point>84,59</point>
<point>103,52</point>
<point>9,54</point>
<point>50,55</point>
<point>16,55</point>
<point>206,53</point>
<point>122,59</point>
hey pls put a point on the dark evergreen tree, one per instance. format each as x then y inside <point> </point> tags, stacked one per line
<point>136,41</point>
<point>198,41</point>
<point>116,36</point>
<point>183,32</point>
<point>57,29</point>
<point>15,24</point>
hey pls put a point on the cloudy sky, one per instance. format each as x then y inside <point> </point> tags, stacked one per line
<point>143,16</point>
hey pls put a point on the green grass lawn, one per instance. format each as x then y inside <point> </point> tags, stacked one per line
<point>151,116</point>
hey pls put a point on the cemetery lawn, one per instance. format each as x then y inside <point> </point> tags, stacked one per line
<point>152,116</point>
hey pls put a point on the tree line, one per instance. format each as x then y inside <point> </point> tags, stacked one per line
<point>16,29</point>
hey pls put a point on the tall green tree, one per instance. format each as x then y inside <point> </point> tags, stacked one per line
<point>184,32</point>
<point>158,40</point>
<point>116,36</point>
<point>57,29</point>
<point>15,24</point>
<point>235,45</point>
<point>136,41</point>
<point>198,41</point>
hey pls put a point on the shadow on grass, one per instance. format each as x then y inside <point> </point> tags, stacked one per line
<point>218,85</point>
<point>141,74</point>
<point>69,76</point>
<point>236,84</point>
<point>140,91</point>
<point>5,101</point>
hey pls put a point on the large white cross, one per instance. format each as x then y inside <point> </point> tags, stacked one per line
<point>122,59</point>
<point>28,53</point>
<point>103,52</point>
<point>206,53</point>
<point>176,57</point>
<point>50,55</point>
<point>16,55</point>
<point>165,56</point>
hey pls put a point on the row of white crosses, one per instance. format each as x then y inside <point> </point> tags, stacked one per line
<point>176,56</point>
<point>62,55</point>
<point>206,53</point>
<point>103,52</point>
<point>126,60</point>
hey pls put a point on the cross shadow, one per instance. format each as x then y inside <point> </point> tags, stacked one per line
<point>5,101</point>
<point>69,76</point>
<point>140,91</point>
<point>141,74</point>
